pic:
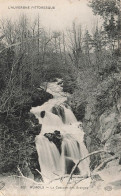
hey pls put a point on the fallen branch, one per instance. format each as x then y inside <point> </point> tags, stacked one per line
<point>66,176</point>
<point>81,180</point>
<point>41,173</point>
<point>102,165</point>
<point>20,171</point>
<point>38,172</point>
<point>26,178</point>
<point>76,165</point>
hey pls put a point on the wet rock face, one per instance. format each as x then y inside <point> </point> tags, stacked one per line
<point>118,128</point>
<point>69,165</point>
<point>108,125</point>
<point>42,114</point>
<point>81,107</point>
<point>40,96</point>
<point>110,131</point>
<point>102,121</point>
<point>56,138</point>
<point>36,127</point>
<point>59,111</point>
<point>103,132</point>
<point>32,157</point>
<point>114,144</point>
<point>60,83</point>
<point>34,164</point>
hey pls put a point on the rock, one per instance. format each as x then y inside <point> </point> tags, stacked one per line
<point>108,123</point>
<point>39,97</point>
<point>35,131</point>
<point>113,144</point>
<point>33,165</point>
<point>33,119</point>
<point>59,111</point>
<point>57,132</point>
<point>79,111</point>
<point>42,114</point>
<point>101,122</point>
<point>56,138</point>
<point>33,162</point>
<point>60,83</point>
<point>49,136</point>
<point>118,128</point>
<point>69,165</point>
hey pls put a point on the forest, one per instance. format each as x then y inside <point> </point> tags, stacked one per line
<point>88,62</point>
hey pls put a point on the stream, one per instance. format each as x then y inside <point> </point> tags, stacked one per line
<point>59,122</point>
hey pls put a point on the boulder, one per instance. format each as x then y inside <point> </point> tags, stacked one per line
<point>33,119</point>
<point>40,96</point>
<point>42,114</point>
<point>56,138</point>
<point>60,83</point>
<point>69,165</point>
<point>79,111</point>
<point>59,111</point>
<point>33,165</point>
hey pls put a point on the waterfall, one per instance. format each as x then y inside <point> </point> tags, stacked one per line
<point>49,156</point>
<point>60,144</point>
<point>69,116</point>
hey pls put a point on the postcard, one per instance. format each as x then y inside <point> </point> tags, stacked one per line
<point>60,97</point>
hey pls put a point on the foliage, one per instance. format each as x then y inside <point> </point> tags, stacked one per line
<point>109,10</point>
<point>105,8</point>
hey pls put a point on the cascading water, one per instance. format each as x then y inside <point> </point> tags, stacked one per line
<point>49,157</point>
<point>54,116</point>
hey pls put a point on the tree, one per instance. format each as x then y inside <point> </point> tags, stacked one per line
<point>109,10</point>
<point>87,46</point>
<point>74,37</point>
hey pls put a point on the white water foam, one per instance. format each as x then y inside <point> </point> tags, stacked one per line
<point>73,148</point>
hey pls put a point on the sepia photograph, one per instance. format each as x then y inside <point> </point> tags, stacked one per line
<point>60,98</point>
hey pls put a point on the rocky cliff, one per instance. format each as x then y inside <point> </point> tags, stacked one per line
<point>101,117</point>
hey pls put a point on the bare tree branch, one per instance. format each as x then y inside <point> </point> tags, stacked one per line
<point>102,165</point>
<point>76,165</point>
